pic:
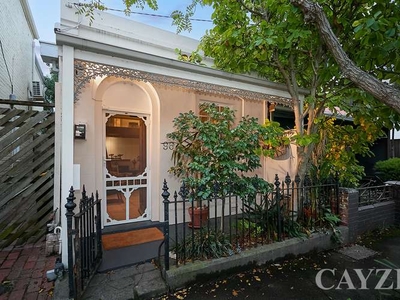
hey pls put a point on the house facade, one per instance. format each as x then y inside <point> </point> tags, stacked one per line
<point>20,72</point>
<point>121,86</point>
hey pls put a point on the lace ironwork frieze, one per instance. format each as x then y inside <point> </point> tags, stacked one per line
<point>86,70</point>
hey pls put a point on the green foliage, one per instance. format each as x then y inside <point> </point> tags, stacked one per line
<point>290,51</point>
<point>271,39</point>
<point>330,221</point>
<point>388,169</point>
<point>265,216</point>
<point>295,229</point>
<point>263,219</point>
<point>49,83</point>
<point>339,146</point>
<point>249,228</point>
<point>275,138</point>
<point>182,20</point>
<point>194,57</point>
<point>87,8</point>
<point>215,151</point>
<point>206,244</point>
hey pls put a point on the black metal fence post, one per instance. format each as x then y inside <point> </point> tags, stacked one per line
<point>165,194</point>
<point>278,205</point>
<point>98,228</point>
<point>337,195</point>
<point>70,206</point>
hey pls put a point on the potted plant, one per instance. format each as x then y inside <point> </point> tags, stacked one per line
<point>210,150</point>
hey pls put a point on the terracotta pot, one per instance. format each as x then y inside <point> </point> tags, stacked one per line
<point>198,216</point>
<point>309,212</point>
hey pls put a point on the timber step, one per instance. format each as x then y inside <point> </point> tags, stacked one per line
<point>131,244</point>
<point>131,238</point>
<point>129,256</point>
<point>131,227</point>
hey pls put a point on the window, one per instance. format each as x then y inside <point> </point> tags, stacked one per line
<point>204,116</point>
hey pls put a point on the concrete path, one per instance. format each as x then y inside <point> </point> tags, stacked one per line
<point>138,282</point>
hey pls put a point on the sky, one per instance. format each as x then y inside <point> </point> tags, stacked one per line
<point>47,12</point>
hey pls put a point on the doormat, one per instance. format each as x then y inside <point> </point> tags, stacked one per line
<point>131,238</point>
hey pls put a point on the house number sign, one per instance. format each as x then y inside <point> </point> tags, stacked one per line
<point>167,145</point>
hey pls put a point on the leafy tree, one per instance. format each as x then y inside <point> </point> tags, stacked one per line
<point>253,33</point>
<point>370,21</point>
<point>49,83</point>
<point>271,38</point>
<point>380,22</point>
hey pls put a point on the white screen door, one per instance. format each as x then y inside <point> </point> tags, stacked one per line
<point>126,173</point>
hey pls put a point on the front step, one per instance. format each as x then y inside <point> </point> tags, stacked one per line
<point>128,256</point>
<point>121,253</point>
<point>131,226</point>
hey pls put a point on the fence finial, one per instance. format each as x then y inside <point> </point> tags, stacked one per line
<point>70,205</point>
<point>83,191</point>
<point>277,183</point>
<point>288,179</point>
<point>165,194</point>
<point>297,179</point>
<point>183,191</point>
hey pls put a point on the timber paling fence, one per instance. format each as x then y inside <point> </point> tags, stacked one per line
<point>26,171</point>
<point>231,223</point>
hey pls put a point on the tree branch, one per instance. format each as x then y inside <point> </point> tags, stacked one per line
<point>384,92</point>
<point>254,12</point>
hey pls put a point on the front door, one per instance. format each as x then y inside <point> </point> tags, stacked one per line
<point>126,172</point>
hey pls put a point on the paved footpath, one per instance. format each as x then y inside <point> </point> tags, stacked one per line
<point>23,273</point>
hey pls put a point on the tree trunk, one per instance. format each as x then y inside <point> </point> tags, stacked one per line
<point>384,92</point>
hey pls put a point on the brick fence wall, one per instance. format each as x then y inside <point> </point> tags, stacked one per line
<point>369,217</point>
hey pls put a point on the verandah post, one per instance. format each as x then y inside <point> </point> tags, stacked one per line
<point>165,194</point>
<point>70,206</point>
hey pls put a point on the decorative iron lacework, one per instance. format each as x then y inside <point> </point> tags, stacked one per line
<point>85,71</point>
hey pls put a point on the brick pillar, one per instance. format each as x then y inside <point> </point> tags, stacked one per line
<point>349,211</point>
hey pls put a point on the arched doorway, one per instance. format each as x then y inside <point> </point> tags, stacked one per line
<point>127,120</point>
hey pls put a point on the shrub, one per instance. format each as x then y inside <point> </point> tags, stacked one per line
<point>204,245</point>
<point>388,169</point>
<point>213,151</point>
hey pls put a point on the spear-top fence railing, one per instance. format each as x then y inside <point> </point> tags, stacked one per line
<point>84,241</point>
<point>231,223</point>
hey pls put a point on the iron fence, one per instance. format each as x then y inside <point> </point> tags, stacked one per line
<point>230,223</point>
<point>369,195</point>
<point>84,241</point>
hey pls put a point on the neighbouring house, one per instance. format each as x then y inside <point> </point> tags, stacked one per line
<point>26,133</point>
<point>121,87</point>
<point>21,76</point>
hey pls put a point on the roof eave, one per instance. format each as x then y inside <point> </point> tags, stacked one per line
<point>106,49</point>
